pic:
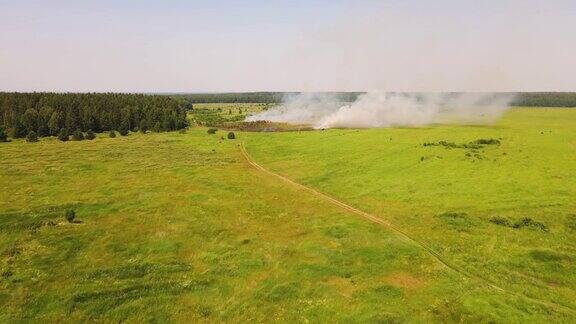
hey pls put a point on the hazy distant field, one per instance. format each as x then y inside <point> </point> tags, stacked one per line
<point>179,227</point>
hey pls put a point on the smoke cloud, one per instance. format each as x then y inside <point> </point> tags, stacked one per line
<point>384,109</point>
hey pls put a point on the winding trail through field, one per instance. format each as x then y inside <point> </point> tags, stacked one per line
<point>403,234</point>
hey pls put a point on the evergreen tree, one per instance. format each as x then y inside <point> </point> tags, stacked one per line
<point>63,135</point>
<point>43,120</point>
<point>3,135</point>
<point>143,126</point>
<point>32,137</point>
<point>90,135</point>
<point>18,130</point>
<point>30,120</point>
<point>55,123</point>
<point>77,135</point>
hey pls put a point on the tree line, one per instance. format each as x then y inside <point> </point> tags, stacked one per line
<point>253,97</point>
<point>528,99</point>
<point>50,114</point>
<point>545,99</point>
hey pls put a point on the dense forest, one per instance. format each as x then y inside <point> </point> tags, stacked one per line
<point>48,114</point>
<point>253,97</point>
<point>527,99</point>
<point>545,99</point>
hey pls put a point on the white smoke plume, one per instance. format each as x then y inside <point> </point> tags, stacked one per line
<point>384,109</point>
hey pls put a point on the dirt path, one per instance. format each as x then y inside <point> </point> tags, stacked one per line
<point>401,233</point>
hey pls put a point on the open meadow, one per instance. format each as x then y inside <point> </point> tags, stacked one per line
<point>181,227</point>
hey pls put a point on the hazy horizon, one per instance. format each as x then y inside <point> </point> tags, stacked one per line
<point>311,46</point>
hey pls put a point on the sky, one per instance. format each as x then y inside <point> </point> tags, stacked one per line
<point>229,46</point>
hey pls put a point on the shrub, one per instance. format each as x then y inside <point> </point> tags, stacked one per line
<point>182,131</point>
<point>502,221</point>
<point>212,130</point>
<point>523,222</point>
<point>112,134</point>
<point>487,141</point>
<point>90,135</point>
<point>63,135</point>
<point>32,137</point>
<point>70,215</point>
<point>3,135</point>
<point>123,132</point>
<point>529,222</point>
<point>77,135</point>
<point>231,135</point>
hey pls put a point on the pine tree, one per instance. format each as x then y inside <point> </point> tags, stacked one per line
<point>63,135</point>
<point>32,137</point>
<point>30,120</point>
<point>3,135</point>
<point>143,126</point>
<point>90,135</point>
<point>55,123</point>
<point>77,135</point>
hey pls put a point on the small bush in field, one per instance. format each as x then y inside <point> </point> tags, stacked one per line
<point>487,141</point>
<point>112,134</point>
<point>231,135</point>
<point>502,221</point>
<point>529,222</point>
<point>70,215</point>
<point>123,132</point>
<point>212,130</point>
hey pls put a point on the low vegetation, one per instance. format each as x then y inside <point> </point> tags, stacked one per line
<point>522,222</point>
<point>436,196</point>
<point>178,227</point>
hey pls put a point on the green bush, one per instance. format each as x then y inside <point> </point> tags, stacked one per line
<point>523,222</point>
<point>529,222</point>
<point>212,130</point>
<point>70,215</point>
<point>63,135</point>
<point>77,135</point>
<point>90,135</point>
<point>502,221</point>
<point>32,137</point>
<point>487,141</point>
<point>123,132</point>
<point>112,134</point>
<point>231,135</point>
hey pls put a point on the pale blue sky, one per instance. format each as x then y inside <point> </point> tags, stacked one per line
<point>159,46</point>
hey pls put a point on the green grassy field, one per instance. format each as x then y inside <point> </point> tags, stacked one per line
<point>179,227</point>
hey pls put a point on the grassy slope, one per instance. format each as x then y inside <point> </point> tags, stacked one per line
<point>445,198</point>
